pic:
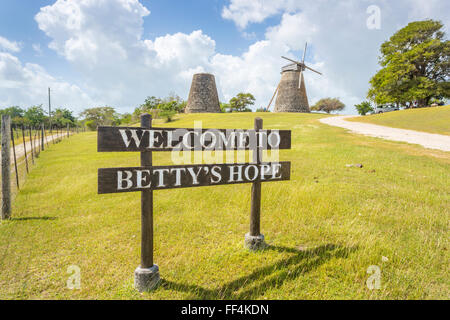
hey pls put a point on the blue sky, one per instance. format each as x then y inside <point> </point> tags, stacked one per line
<point>117,52</point>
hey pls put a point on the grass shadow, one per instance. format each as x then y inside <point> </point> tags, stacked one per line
<point>33,218</point>
<point>263,279</point>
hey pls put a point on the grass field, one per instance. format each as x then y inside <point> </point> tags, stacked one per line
<point>433,119</point>
<point>325,226</point>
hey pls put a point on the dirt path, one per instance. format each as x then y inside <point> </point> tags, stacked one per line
<point>20,150</point>
<point>427,140</point>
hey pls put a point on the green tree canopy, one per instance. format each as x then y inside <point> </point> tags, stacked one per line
<point>126,118</point>
<point>165,107</point>
<point>61,117</point>
<point>241,102</point>
<point>224,107</point>
<point>100,116</point>
<point>150,103</point>
<point>16,113</point>
<point>363,108</point>
<point>328,105</point>
<point>415,66</point>
<point>34,115</point>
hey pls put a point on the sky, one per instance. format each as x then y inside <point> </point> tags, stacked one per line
<point>118,52</point>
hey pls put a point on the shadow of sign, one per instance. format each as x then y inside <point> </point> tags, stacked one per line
<point>44,218</point>
<point>266,278</point>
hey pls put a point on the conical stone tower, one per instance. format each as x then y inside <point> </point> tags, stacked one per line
<point>203,95</point>
<point>291,97</point>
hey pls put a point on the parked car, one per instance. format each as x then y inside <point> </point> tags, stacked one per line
<point>385,108</point>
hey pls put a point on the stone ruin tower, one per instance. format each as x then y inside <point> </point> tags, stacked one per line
<point>203,95</point>
<point>291,95</point>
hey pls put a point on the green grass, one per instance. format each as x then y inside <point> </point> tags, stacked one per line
<point>432,119</point>
<point>325,226</point>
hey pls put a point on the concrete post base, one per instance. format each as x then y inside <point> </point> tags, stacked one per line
<point>254,242</point>
<point>146,279</point>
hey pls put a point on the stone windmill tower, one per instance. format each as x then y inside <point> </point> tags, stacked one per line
<point>203,95</point>
<point>291,89</point>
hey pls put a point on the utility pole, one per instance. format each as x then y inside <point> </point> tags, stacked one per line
<point>49,110</point>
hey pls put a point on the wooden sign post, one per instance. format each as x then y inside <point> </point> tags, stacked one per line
<point>254,239</point>
<point>146,276</point>
<point>147,177</point>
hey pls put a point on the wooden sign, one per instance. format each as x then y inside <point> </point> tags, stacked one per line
<point>115,180</point>
<point>168,139</point>
<point>148,178</point>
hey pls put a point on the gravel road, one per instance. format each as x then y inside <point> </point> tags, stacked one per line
<point>427,140</point>
<point>20,150</point>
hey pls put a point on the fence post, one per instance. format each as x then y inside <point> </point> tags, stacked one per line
<point>38,136</point>
<point>25,147</point>
<point>31,147</point>
<point>254,240</point>
<point>146,276</point>
<point>46,136</point>
<point>15,159</point>
<point>42,137</point>
<point>68,135</point>
<point>36,149</point>
<point>6,167</point>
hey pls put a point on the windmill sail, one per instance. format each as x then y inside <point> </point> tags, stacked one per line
<point>300,79</point>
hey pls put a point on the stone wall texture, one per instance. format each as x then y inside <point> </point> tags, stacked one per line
<point>291,98</point>
<point>203,95</point>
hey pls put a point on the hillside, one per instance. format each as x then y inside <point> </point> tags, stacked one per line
<point>325,226</point>
<point>433,119</point>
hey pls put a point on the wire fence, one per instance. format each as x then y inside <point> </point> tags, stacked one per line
<point>25,145</point>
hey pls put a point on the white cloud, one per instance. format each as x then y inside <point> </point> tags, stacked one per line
<point>119,66</point>
<point>258,69</point>
<point>183,49</point>
<point>337,36</point>
<point>10,46</point>
<point>122,68</point>
<point>103,41</point>
<point>243,12</point>
<point>293,31</point>
<point>26,85</point>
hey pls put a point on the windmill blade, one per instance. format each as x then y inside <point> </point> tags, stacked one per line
<point>297,62</point>
<point>312,70</point>
<point>304,53</point>
<point>276,90</point>
<point>300,79</point>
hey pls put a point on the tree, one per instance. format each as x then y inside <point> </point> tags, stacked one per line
<point>34,115</point>
<point>150,103</point>
<point>241,102</point>
<point>125,118</point>
<point>328,105</point>
<point>177,104</point>
<point>100,116</point>
<point>224,107</point>
<point>63,117</point>
<point>157,106</point>
<point>149,106</point>
<point>16,114</point>
<point>415,66</point>
<point>167,115</point>
<point>364,108</point>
